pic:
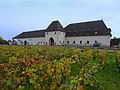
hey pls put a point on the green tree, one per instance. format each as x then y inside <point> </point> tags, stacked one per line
<point>2,41</point>
<point>115,41</point>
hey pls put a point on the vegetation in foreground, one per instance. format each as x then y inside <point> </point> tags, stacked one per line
<point>50,68</point>
<point>109,77</point>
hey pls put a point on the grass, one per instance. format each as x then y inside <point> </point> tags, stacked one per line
<point>109,77</point>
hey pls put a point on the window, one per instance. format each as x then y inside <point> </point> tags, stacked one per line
<point>80,42</point>
<point>95,41</point>
<point>59,41</point>
<point>73,42</point>
<point>55,32</point>
<point>87,42</point>
<point>96,32</point>
<point>63,41</point>
<point>67,42</point>
<point>47,33</point>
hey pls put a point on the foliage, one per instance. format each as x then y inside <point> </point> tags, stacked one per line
<point>117,53</point>
<point>2,41</point>
<point>115,41</point>
<point>109,77</point>
<point>28,68</point>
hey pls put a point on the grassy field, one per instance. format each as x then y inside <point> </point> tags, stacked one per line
<point>109,77</point>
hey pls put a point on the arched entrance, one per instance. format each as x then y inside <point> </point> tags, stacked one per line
<point>51,41</point>
<point>25,42</point>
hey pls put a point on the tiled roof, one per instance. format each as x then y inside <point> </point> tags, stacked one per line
<point>31,34</point>
<point>55,26</point>
<point>91,28</point>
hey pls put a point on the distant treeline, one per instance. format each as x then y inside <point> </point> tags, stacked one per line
<point>115,41</point>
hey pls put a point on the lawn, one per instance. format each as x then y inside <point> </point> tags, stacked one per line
<point>109,77</point>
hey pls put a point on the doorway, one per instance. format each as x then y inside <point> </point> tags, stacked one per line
<point>25,42</point>
<point>51,41</point>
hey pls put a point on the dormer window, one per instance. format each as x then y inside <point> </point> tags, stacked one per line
<point>96,32</point>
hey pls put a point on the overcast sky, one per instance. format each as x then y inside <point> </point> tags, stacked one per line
<point>17,16</point>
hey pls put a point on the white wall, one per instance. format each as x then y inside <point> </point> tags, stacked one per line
<point>32,41</point>
<point>58,37</point>
<point>104,40</point>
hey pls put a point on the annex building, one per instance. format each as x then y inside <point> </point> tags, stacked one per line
<point>79,34</point>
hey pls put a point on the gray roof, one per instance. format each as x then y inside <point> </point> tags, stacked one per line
<point>31,34</point>
<point>91,28</point>
<point>55,26</point>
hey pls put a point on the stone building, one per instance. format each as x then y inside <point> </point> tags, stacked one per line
<point>79,34</point>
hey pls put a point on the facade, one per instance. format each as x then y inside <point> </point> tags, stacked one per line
<point>79,34</point>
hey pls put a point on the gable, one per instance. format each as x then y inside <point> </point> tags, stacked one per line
<point>55,26</point>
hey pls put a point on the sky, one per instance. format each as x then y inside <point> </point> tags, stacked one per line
<point>17,16</point>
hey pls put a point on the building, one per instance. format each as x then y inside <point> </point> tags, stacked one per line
<point>79,34</point>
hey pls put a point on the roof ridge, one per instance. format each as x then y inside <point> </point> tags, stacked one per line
<point>55,26</point>
<point>86,22</point>
<point>35,30</point>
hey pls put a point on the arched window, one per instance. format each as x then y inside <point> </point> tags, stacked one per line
<point>80,42</point>
<point>87,42</point>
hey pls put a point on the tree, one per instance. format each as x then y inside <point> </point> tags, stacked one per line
<point>2,41</point>
<point>115,41</point>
